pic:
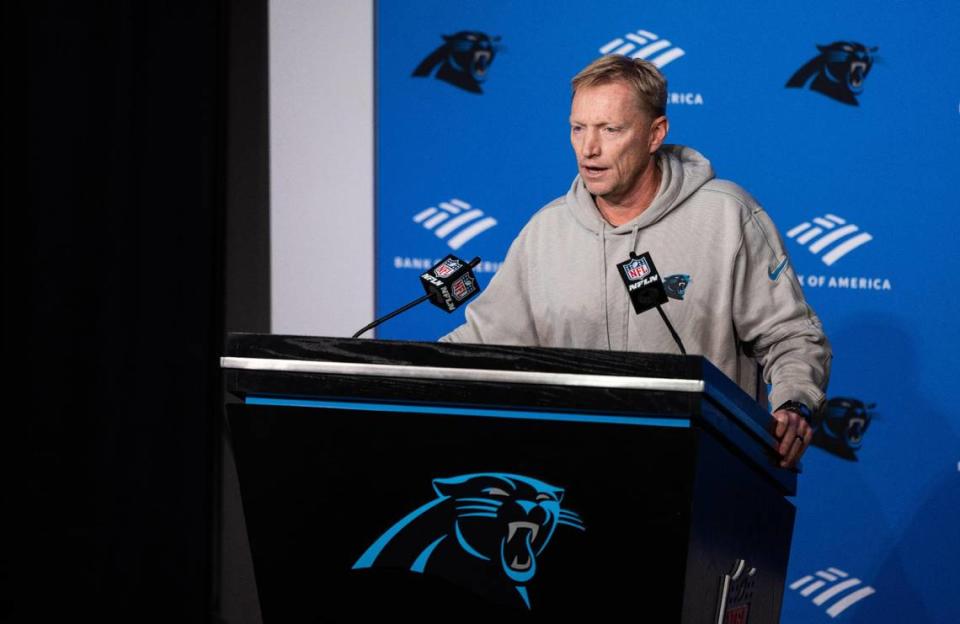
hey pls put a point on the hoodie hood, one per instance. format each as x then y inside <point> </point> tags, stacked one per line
<point>682,172</point>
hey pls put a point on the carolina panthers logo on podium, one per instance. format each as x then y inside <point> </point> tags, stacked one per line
<point>837,72</point>
<point>464,60</point>
<point>484,531</point>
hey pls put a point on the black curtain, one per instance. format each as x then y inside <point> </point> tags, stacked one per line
<point>114,221</point>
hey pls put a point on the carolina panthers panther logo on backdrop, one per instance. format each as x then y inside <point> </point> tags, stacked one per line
<point>838,71</point>
<point>484,531</point>
<point>840,425</point>
<point>464,60</point>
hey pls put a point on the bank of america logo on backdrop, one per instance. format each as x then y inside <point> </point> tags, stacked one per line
<point>832,590</point>
<point>454,221</point>
<point>829,237</point>
<point>645,45</point>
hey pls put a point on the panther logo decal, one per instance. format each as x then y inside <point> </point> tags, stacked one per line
<point>676,285</point>
<point>464,60</point>
<point>838,71</point>
<point>839,426</point>
<point>484,531</point>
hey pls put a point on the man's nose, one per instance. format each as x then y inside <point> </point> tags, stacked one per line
<point>591,145</point>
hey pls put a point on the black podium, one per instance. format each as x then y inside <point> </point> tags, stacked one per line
<point>475,483</point>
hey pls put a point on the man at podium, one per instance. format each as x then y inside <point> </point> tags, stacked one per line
<point>646,223</point>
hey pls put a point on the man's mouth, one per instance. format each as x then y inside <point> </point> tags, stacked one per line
<point>592,171</point>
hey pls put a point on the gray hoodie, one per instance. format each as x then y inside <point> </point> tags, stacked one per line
<point>560,287</point>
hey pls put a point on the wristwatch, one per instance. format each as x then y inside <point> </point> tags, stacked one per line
<point>798,408</point>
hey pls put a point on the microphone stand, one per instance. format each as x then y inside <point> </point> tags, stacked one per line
<point>386,318</point>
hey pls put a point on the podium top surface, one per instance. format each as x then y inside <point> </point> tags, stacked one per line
<point>506,359</point>
<point>608,386</point>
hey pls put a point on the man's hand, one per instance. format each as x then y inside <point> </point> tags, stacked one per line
<point>794,435</point>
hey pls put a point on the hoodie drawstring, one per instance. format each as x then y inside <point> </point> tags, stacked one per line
<point>603,274</point>
<point>626,321</point>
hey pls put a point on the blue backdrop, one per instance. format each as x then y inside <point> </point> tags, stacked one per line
<point>858,175</point>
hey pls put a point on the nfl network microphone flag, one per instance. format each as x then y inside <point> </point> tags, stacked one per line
<point>450,283</point>
<point>643,282</point>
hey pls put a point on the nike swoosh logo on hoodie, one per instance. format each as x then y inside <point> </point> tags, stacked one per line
<point>774,274</point>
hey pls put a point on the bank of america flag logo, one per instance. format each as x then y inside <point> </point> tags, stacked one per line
<point>455,222</point>
<point>832,589</point>
<point>829,237</point>
<point>645,45</point>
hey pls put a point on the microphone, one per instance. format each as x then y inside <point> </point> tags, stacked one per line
<point>449,284</point>
<point>645,288</point>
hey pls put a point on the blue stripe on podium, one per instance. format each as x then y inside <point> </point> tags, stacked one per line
<point>642,421</point>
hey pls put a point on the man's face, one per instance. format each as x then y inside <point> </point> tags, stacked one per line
<point>613,139</point>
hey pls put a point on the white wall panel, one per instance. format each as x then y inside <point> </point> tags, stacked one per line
<point>321,166</point>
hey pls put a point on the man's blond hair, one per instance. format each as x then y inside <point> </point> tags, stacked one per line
<point>642,76</point>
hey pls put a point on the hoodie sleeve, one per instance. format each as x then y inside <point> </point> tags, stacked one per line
<point>772,318</point>
<point>501,313</point>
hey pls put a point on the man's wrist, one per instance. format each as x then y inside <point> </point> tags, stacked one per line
<point>798,408</point>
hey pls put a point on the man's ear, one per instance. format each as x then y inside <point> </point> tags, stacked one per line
<point>659,128</point>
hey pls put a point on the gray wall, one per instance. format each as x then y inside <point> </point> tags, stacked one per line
<point>321,166</point>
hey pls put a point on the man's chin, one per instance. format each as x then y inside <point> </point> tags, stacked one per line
<point>595,188</point>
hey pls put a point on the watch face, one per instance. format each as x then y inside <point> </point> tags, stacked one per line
<point>798,407</point>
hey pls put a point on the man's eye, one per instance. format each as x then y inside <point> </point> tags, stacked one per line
<point>611,130</point>
<point>575,128</point>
